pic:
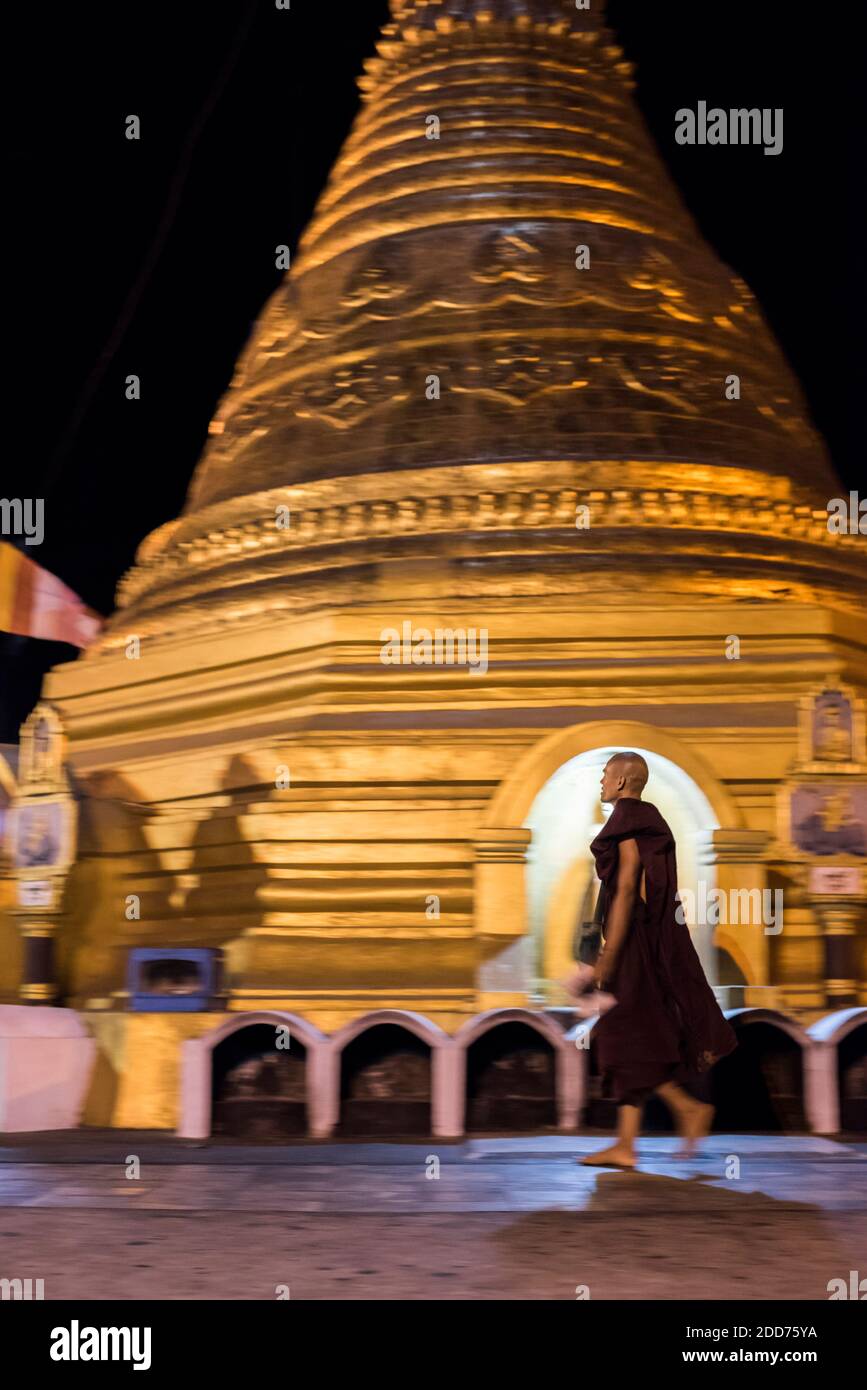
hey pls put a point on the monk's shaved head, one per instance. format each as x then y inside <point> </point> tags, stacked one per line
<point>625,774</point>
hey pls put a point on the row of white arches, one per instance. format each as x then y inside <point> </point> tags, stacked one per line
<point>819,1046</point>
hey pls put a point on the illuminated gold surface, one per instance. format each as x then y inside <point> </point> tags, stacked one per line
<point>136,1079</point>
<point>455,258</point>
<point>560,389</point>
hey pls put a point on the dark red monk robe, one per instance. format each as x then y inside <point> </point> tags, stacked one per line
<point>666,1023</point>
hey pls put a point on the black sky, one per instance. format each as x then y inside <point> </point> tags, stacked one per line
<point>155,257</point>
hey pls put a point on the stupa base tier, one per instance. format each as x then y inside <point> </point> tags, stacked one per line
<point>345,811</point>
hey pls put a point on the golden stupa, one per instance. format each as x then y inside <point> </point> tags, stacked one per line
<point>491,401</point>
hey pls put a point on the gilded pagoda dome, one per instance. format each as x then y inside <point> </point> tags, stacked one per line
<point>501,309</point>
<point>478,507</point>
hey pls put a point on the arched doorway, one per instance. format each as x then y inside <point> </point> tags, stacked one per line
<point>511,1080</point>
<point>566,815</point>
<point>207,1065</point>
<point>852,1080</point>
<point>259,1090</point>
<point>385,1083</point>
<point>532,853</point>
<point>759,1088</point>
<point>729,975</point>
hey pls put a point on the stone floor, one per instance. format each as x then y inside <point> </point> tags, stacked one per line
<point>510,1218</point>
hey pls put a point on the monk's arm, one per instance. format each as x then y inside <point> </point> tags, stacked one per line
<point>619,914</point>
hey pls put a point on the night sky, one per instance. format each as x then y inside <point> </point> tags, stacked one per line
<point>155,257</point>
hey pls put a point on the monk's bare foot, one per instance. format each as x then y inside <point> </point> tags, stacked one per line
<point>617,1156</point>
<point>693,1125</point>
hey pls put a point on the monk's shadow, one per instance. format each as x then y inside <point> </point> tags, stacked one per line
<point>648,1235</point>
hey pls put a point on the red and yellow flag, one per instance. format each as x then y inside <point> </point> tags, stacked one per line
<point>35,603</point>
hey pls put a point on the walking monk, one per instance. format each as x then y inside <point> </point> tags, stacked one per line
<point>666,1027</point>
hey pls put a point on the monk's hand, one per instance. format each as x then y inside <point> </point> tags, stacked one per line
<point>579,981</point>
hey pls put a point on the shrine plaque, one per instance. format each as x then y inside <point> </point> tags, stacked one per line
<point>827,880</point>
<point>34,893</point>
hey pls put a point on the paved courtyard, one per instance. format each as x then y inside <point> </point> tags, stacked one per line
<point>513,1218</point>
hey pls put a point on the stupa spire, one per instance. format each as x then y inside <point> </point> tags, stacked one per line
<point>497,138</point>
<point>500,273</point>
